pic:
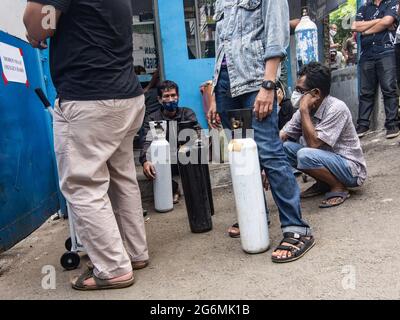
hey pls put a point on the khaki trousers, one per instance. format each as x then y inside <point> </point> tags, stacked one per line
<point>93,142</point>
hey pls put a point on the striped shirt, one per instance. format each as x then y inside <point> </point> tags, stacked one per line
<point>334,126</point>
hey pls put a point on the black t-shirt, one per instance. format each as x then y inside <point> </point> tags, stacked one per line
<point>91,54</point>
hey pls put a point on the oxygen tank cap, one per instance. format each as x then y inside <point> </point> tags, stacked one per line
<point>304,12</point>
<point>158,129</point>
<point>241,118</point>
<point>158,126</point>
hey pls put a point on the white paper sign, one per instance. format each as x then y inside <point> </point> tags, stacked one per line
<point>144,48</point>
<point>13,64</point>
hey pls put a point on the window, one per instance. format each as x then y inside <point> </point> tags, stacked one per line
<point>145,53</point>
<point>200,28</point>
<point>144,48</point>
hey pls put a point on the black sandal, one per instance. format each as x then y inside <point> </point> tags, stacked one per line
<point>298,247</point>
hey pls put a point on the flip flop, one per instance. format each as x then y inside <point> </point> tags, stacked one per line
<point>330,195</point>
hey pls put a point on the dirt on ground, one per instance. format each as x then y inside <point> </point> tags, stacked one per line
<point>355,256</point>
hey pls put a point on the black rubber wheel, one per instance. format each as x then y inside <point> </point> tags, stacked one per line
<point>68,244</point>
<point>70,260</point>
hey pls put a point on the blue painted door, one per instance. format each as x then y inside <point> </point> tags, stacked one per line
<point>28,184</point>
<point>188,73</point>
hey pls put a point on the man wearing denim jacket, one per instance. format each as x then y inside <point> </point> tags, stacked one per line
<point>251,41</point>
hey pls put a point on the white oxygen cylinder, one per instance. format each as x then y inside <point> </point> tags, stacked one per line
<point>161,159</point>
<point>249,197</point>
<point>306,34</point>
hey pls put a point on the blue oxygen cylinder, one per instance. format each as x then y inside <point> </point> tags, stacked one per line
<point>306,35</point>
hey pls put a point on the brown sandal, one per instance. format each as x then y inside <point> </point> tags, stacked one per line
<point>101,284</point>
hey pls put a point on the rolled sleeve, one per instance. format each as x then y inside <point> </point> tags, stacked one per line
<point>391,10</point>
<point>62,5</point>
<point>277,28</point>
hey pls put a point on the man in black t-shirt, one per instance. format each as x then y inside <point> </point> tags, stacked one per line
<point>100,108</point>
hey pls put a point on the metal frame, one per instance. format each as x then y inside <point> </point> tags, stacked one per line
<point>158,40</point>
<point>197,34</point>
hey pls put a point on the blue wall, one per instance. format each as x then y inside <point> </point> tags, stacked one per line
<point>189,74</point>
<point>28,184</point>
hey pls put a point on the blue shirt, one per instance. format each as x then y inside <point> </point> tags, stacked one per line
<point>379,43</point>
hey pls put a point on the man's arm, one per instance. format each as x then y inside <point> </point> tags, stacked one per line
<point>147,141</point>
<point>362,26</point>
<point>384,24</point>
<point>309,133</point>
<point>40,20</point>
<point>148,168</point>
<point>329,129</point>
<point>264,104</point>
<point>292,128</point>
<point>277,35</point>
<point>294,23</point>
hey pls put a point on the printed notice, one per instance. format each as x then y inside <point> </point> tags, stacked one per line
<point>13,64</point>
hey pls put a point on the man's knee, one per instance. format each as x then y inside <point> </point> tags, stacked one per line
<point>290,148</point>
<point>307,158</point>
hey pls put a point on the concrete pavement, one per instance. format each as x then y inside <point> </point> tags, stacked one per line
<point>355,256</point>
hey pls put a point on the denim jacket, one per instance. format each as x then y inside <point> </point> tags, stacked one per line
<point>249,32</point>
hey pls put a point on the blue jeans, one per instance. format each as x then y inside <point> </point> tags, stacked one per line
<point>283,184</point>
<point>304,158</point>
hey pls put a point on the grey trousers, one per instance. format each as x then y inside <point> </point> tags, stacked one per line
<point>93,142</point>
